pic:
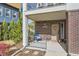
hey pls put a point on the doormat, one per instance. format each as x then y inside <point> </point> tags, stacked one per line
<point>31,52</point>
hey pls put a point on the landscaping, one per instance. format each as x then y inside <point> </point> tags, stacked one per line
<point>31,52</point>
<point>10,34</point>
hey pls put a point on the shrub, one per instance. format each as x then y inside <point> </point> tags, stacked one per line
<point>4,30</point>
<point>18,30</point>
<point>15,31</point>
<point>12,30</point>
<point>0,33</point>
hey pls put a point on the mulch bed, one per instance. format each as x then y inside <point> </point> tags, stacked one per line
<point>25,52</point>
<point>11,52</point>
<point>18,46</point>
<point>31,52</point>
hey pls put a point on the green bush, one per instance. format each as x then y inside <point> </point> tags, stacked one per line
<point>15,32</point>
<point>12,32</point>
<point>4,30</point>
<point>0,33</point>
<point>18,30</point>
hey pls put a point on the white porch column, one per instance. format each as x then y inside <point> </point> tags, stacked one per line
<point>25,26</point>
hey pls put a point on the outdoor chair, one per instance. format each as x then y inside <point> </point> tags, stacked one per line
<point>37,37</point>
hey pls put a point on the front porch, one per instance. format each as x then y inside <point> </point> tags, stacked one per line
<point>52,28</point>
<point>54,15</point>
<point>50,31</point>
<point>53,49</point>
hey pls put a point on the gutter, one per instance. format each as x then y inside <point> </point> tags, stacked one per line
<point>18,51</point>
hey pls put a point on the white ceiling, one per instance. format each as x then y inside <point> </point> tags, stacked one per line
<point>57,15</point>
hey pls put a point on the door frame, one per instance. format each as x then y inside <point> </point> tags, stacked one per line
<point>62,36</point>
<point>57,31</point>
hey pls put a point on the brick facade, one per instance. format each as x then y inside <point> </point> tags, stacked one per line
<point>44,28</point>
<point>73,31</point>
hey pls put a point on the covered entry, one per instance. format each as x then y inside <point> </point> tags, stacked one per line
<point>48,25</point>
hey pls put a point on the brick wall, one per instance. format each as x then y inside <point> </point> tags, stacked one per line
<point>73,31</point>
<point>44,29</point>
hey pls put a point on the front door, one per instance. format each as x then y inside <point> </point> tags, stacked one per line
<point>54,32</point>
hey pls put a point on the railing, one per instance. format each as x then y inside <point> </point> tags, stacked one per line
<point>42,5</point>
<point>46,5</point>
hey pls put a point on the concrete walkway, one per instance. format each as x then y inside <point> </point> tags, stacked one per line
<point>54,49</point>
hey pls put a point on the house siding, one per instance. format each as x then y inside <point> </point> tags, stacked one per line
<point>31,6</point>
<point>8,19</point>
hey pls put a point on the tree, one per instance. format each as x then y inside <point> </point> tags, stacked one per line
<point>0,33</point>
<point>15,31</point>
<point>5,30</point>
<point>18,30</point>
<point>12,30</point>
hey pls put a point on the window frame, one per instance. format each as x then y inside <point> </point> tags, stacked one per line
<point>1,11</point>
<point>62,30</point>
<point>8,11</point>
<point>13,14</point>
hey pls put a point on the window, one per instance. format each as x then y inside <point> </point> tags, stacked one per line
<point>8,12</point>
<point>50,4</point>
<point>39,5</point>
<point>1,11</point>
<point>62,30</point>
<point>15,15</point>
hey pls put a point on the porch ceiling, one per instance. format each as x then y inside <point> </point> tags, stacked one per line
<point>57,15</point>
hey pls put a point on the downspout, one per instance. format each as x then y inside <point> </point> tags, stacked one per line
<point>17,51</point>
<point>25,29</point>
<point>67,29</point>
<point>67,47</point>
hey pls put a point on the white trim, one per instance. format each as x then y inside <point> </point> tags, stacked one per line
<point>1,11</point>
<point>72,6</point>
<point>48,9</point>
<point>25,27</point>
<point>66,7</point>
<point>36,48</point>
<point>13,14</point>
<point>8,11</point>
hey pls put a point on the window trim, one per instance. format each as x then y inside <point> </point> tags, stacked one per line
<point>62,30</point>
<point>6,12</point>
<point>1,11</point>
<point>13,14</point>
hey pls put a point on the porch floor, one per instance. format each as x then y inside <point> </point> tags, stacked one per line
<point>54,49</point>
